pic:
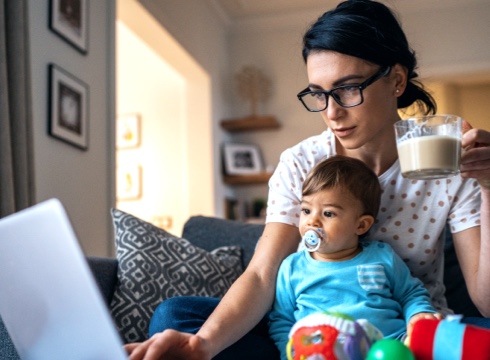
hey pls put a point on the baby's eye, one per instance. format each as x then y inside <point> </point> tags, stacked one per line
<point>328,214</point>
<point>305,211</point>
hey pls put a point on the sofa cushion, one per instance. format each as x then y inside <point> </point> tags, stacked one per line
<point>105,273</point>
<point>155,265</point>
<point>210,232</point>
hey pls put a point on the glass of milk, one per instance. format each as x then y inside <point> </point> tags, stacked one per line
<point>429,147</point>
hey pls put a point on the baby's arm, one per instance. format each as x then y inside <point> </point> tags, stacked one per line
<point>282,315</point>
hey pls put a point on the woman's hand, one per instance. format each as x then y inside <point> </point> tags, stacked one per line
<point>475,159</point>
<point>171,345</point>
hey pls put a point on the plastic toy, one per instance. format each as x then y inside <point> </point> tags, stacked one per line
<point>389,349</point>
<point>313,239</point>
<point>331,336</point>
<point>449,339</point>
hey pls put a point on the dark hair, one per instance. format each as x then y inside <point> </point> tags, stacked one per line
<point>347,174</point>
<point>369,30</point>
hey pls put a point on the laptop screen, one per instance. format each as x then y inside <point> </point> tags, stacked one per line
<point>50,302</point>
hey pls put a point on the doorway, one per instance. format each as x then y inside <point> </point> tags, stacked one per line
<point>164,173</point>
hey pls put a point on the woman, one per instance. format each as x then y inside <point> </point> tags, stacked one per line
<point>358,45</point>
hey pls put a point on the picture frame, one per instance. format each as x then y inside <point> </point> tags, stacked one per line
<point>128,182</point>
<point>128,131</point>
<point>69,20</point>
<point>242,159</point>
<point>68,107</point>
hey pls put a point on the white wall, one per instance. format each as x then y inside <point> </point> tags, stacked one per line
<point>82,180</point>
<point>451,42</point>
<point>149,87</point>
<point>203,34</point>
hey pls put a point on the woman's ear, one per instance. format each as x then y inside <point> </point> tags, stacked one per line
<point>365,223</point>
<point>400,78</point>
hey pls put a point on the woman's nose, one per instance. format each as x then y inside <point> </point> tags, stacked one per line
<point>333,110</point>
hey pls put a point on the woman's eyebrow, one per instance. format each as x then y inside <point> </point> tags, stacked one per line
<point>338,82</point>
<point>347,78</point>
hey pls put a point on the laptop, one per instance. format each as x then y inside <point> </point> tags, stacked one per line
<point>50,302</point>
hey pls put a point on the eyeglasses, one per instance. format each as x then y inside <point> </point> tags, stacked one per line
<point>346,95</point>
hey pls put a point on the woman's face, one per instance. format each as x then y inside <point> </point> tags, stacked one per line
<point>368,123</point>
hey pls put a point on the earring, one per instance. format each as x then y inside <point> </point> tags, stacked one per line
<point>397,91</point>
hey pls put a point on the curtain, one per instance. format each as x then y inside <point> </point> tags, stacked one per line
<point>16,160</point>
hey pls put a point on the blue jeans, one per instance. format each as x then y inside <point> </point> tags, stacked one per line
<point>476,321</point>
<point>188,313</point>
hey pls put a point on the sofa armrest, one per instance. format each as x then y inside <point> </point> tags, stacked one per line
<point>105,273</point>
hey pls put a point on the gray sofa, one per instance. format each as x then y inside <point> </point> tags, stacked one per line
<point>209,233</point>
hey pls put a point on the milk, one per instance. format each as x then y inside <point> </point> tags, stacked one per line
<point>429,157</point>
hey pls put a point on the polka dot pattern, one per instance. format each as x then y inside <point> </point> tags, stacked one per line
<point>412,214</point>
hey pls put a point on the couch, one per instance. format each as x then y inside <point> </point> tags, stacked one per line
<point>210,233</point>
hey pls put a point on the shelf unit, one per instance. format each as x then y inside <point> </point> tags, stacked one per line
<point>261,178</point>
<point>251,123</point>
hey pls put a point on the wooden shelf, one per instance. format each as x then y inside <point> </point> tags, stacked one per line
<point>251,123</point>
<point>261,178</point>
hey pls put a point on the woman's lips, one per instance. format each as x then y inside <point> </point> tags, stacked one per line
<point>343,132</point>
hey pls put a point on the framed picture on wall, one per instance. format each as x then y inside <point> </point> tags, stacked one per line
<point>128,131</point>
<point>242,159</point>
<point>68,107</point>
<point>128,182</point>
<point>69,19</point>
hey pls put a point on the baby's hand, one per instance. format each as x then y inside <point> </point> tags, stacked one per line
<point>419,316</point>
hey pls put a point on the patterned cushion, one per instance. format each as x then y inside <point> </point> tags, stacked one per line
<point>155,265</point>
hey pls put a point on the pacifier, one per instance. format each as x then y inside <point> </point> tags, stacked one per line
<point>313,238</point>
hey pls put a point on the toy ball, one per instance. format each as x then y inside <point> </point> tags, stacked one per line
<point>331,336</point>
<point>389,349</point>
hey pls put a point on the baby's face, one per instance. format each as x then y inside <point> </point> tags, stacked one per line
<point>337,214</point>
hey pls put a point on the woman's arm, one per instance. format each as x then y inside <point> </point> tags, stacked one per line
<point>243,306</point>
<point>473,245</point>
<point>252,295</point>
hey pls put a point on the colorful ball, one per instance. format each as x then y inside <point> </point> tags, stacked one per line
<point>331,336</point>
<point>388,349</point>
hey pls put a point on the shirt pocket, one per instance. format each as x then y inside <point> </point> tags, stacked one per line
<point>371,277</point>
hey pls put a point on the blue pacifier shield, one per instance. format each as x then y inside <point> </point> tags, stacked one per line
<point>312,240</point>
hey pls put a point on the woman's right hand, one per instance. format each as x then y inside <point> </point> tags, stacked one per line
<point>169,345</point>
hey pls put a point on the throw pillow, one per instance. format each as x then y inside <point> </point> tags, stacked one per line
<point>154,265</point>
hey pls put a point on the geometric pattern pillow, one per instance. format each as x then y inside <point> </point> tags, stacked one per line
<point>154,265</point>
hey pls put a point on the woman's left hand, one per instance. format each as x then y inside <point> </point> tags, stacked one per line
<point>475,158</point>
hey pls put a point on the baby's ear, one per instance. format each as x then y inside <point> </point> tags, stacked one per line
<point>365,223</point>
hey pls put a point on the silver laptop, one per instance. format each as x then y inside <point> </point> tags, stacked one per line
<point>49,300</point>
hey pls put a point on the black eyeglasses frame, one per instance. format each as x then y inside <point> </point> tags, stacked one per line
<point>383,71</point>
